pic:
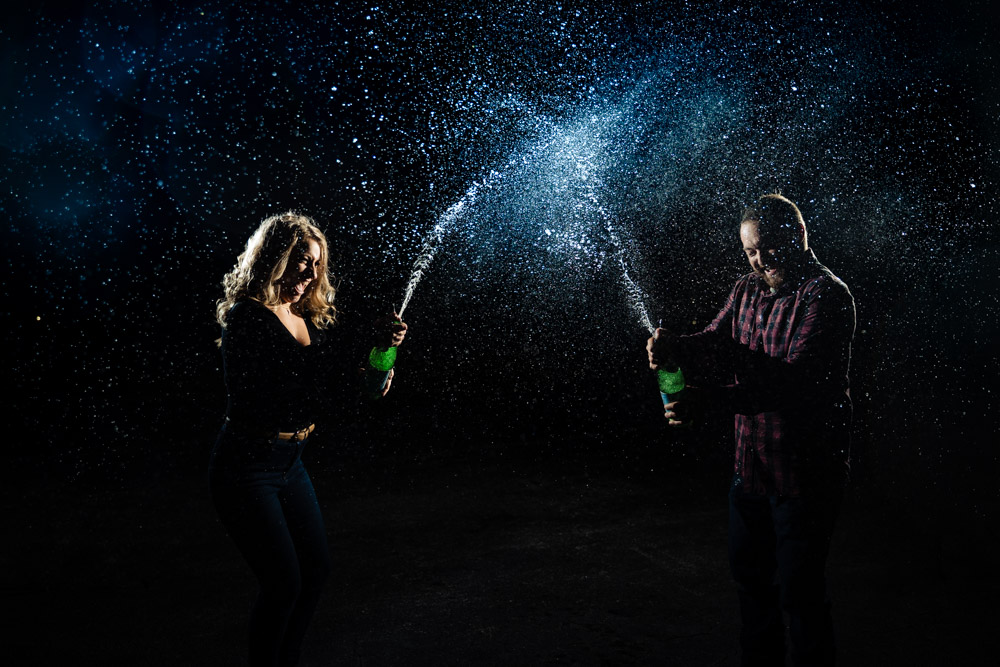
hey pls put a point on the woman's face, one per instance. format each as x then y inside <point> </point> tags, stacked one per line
<point>303,267</point>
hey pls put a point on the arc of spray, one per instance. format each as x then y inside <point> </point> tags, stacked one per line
<point>432,241</point>
<point>447,219</point>
<point>633,293</point>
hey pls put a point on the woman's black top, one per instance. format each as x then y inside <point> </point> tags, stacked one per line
<point>273,382</point>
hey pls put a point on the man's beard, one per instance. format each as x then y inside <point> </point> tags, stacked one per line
<point>775,280</point>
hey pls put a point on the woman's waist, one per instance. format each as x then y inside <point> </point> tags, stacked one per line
<point>291,428</point>
<point>256,449</point>
<point>259,417</point>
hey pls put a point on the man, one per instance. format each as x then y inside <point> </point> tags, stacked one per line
<point>786,331</point>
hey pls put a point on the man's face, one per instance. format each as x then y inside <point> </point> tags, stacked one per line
<point>768,258</point>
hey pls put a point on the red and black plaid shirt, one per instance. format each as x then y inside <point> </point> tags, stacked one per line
<point>790,350</point>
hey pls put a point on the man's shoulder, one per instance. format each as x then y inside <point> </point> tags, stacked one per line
<point>826,288</point>
<point>826,281</point>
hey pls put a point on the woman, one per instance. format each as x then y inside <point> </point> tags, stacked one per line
<point>278,303</point>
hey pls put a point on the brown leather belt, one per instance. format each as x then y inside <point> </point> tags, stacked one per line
<point>299,435</point>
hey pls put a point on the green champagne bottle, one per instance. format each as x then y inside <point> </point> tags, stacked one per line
<point>671,384</point>
<point>380,362</point>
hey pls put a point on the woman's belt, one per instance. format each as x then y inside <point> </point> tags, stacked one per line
<point>299,435</point>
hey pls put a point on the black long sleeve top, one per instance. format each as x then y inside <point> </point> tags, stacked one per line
<point>273,382</point>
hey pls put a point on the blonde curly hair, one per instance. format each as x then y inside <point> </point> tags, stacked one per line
<point>261,265</point>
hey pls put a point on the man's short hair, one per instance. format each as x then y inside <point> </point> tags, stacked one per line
<point>778,218</point>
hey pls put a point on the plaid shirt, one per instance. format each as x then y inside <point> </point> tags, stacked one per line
<point>790,351</point>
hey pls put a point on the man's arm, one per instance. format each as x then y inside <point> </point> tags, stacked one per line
<point>713,345</point>
<point>814,371</point>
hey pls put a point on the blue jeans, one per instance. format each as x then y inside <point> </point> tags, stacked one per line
<point>777,552</point>
<point>267,504</point>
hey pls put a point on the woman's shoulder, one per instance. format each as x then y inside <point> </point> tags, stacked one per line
<point>246,312</point>
<point>249,322</point>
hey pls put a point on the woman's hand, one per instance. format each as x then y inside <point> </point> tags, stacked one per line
<point>390,331</point>
<point>388,382</point>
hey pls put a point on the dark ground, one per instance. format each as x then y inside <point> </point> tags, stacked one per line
<point>461,562</point>
<point>501,542</point>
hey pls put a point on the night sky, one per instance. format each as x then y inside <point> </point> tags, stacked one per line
<point>143,142</point>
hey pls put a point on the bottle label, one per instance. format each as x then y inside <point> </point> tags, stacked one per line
<point>670,383</point>
<point>382,360</point>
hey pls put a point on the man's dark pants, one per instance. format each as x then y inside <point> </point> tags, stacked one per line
<point>777,552</point>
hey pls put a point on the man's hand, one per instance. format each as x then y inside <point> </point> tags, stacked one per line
<point>682,411</point>
<point>660,348</point>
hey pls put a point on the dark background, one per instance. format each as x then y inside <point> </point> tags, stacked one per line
<point>143,143</point>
